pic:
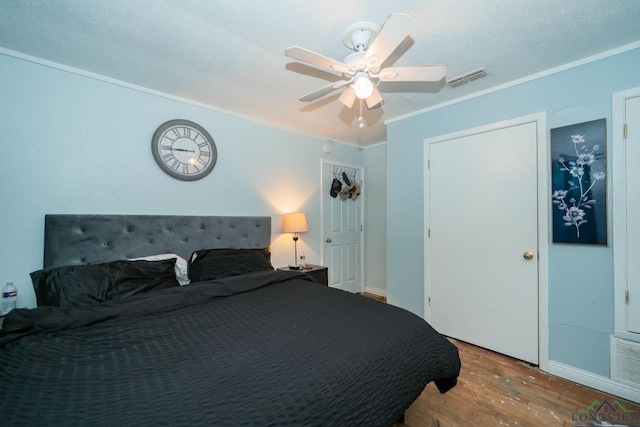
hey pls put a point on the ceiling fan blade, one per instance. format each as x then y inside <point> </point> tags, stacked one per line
<point>325,90</point>
<point>348,97</point>
<point>305,55</point>
<point>395,29</point>
<point>423,73</point>
<point>374,99</point>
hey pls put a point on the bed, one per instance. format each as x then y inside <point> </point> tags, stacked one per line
<point>241,344</point>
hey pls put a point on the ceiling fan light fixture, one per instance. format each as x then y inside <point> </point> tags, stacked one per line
<point>363,86</point>
<point>362,69</point>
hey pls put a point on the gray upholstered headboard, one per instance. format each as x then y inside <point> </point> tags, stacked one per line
<point>84,239</point>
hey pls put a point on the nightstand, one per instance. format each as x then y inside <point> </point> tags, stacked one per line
<point>318,272</point>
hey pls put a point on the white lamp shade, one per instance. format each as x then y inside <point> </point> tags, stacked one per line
<point>295,223</point>
<point>363,86</point>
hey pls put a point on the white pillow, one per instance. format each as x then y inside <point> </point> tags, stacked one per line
<point>181,265</point>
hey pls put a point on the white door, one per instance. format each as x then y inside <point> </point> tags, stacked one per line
<point>482,266</point>
<point>342,227</point>
<point>632,160</point>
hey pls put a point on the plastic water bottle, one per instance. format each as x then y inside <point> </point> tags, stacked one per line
<point>303,259</point>
<point>9,296</point>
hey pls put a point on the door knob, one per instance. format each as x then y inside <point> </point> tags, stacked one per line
<point>528,255</point>
<point>328,240</point>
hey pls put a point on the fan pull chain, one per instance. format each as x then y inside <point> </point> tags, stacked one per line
<point>360,119</point>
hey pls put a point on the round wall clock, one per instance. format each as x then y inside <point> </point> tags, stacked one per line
<point>184,150</point>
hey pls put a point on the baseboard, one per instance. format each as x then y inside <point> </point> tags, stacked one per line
<point>594,381</point>
<point>375,291</point>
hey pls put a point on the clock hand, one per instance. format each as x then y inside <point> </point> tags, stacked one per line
<point>182,149</point>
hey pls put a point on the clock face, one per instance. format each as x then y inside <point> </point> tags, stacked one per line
<point>184,150</point>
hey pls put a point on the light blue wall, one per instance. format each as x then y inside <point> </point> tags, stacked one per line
<point>75,144</point>
<point>580,277</point>
<point>375,217</point>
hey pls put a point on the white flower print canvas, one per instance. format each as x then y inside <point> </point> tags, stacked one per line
<point>579,183</point>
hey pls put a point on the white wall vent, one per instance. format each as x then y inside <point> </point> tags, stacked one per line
<point>468,77</point>
<point>625,362</point>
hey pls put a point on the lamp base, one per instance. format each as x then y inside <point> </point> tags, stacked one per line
<point>296,267</point>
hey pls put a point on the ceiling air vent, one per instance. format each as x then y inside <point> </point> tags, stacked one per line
<point>469,77</point>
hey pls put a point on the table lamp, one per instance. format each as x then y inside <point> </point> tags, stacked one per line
<point>295,223</point>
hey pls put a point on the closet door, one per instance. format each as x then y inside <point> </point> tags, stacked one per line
<point>482,267</point>
<point>632,166</point>
<point>625,180</point>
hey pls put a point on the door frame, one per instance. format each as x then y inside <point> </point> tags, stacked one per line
<point>543,172</point>
<point>325,186</point>
<point>619,211</point>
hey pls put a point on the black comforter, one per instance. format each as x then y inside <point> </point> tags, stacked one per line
<point>271,348</point>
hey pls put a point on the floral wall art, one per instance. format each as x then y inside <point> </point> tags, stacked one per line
<point>579,183</point>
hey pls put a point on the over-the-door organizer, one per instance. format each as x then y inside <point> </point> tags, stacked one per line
<point>345,183</point>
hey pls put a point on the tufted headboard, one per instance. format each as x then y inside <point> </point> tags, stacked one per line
<point>84,239</point>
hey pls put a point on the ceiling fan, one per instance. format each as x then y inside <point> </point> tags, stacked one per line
<point>362,69</point>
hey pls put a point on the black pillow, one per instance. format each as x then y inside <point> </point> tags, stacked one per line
<point>211,264</point>
<point>85,284</point>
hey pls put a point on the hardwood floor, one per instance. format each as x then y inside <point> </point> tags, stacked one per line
<point>494,389</point>
<point>373,296</point>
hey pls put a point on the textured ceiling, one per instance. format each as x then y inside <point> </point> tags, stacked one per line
<point>229,54</point>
